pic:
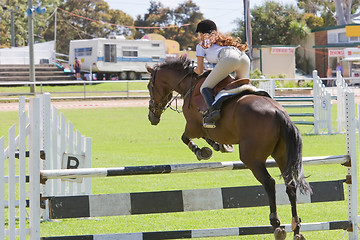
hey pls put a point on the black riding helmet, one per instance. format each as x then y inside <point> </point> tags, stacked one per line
<point>206,26</point>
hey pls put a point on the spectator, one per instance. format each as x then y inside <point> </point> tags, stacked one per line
<point>77,67</point>
<point>339,68</point>
<point>329,82</point>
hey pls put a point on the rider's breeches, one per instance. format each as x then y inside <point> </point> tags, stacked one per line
<point>230,59</point>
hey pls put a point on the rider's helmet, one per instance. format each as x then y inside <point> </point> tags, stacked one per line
<point>206,26</point>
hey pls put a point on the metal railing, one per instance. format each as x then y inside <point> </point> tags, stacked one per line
<point>77,89</point>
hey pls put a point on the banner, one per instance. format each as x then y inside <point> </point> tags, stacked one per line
<point>282,50</point>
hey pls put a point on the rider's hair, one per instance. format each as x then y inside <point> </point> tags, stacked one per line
<point>208,39</point>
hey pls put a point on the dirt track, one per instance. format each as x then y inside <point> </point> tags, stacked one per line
<point>13,106</point>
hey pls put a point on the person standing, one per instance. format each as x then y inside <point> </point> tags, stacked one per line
<point>339,68</point>
<point>328,76</point>
<point>77,68</point>
<point>228,54</point>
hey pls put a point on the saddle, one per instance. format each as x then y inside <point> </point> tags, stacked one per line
<point>226,89</point>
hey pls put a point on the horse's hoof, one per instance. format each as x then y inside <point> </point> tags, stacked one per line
<point>204,153</point>
<point>225,148</point>
<point>299,237</point>
<point>280,233</point>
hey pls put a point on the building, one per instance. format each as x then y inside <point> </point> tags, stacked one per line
<point>329,47</point>
<point>275,60</point>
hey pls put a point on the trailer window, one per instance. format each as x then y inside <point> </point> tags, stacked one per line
<point>156,44</point>
<point>110,52</point>
<point>156,59</point>
<point>130,51</point>
<point>79,52</point>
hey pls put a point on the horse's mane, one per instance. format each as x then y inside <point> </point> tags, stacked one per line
<point>175,63</point>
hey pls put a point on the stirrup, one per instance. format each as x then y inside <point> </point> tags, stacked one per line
<point>210,119</point>
<point>208,125</point>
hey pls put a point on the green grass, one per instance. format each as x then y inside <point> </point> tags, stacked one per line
<point>124,137</point>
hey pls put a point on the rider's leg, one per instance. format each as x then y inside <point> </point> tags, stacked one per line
<point>212,114</point>
<point>243,68</point>
<point>229,61</point>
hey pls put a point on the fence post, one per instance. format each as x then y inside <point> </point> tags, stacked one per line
<point>34,168</point>
<point>316,101</point>
<point>2,189</point>
<point>352,170</point>
<point>328,113</point>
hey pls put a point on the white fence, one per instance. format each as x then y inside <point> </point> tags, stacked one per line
<point>38,133</point>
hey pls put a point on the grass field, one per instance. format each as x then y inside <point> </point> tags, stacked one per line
<point>124,137</point>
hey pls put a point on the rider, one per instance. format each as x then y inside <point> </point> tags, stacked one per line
<point>228,54</point>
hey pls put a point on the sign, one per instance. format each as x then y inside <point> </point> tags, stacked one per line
<point>352,53</point>
<point>73,161</point>
<point>352,31</point>
<point>336,53</point>
<point>282,50</point>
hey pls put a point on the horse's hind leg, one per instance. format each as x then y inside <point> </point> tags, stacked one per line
<point>201,153</point>
<point>295,225</point>
<point>224,148</point>
<point>263,176</point>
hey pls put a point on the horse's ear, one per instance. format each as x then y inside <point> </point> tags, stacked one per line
<point>149,69</point>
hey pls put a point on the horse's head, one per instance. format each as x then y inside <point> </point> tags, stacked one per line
<point>164,79</point>
<point>160,94</point>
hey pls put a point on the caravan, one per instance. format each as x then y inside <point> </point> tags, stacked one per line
<point>117,57</point>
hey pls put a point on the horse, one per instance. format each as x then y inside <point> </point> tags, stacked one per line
<point>258,124</point>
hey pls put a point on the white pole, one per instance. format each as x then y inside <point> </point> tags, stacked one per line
<point>2,189</point>
<point>352,171</point>
<point>55,26</point>
<point>34,168</point>
<point>31,48</point>
<point>316,101</point>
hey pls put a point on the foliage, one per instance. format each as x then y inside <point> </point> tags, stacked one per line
<point>159,16</point>
<point>336,12</point>
<point>313,21</point>
<point>19,8</point>
<point>256,74</point>
<point>70,27</point>
<point>273,23</point>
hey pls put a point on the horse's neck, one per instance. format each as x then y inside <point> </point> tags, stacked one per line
<point>187,85</point>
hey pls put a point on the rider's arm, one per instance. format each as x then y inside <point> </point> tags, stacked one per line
<point>200,65</point>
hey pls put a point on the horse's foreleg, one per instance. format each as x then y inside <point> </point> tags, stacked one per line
<point>201,153</point>
<point>224,148</point>
<point>291,192</point>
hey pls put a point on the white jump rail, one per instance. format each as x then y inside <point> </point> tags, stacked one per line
<point>174,168</point>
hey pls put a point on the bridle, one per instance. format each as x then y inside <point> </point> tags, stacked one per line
<point>165,103</point>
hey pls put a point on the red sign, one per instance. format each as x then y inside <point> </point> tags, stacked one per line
<point>336,53</point>
<point>282,50</point>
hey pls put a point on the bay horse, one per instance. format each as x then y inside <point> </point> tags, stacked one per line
<point>258,124</point>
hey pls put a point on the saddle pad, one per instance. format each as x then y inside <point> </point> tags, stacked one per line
<point>227,84</point>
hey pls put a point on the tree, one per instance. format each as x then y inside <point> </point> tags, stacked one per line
<point>273,23</point>
<point>336,12</point>
<point>86,19</point>
<point>159,16</point>
<point>19,8</point>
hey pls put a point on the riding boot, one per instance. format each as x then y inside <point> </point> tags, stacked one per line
<point>212,114</point>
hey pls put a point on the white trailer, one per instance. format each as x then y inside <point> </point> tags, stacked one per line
<point>116,56</point>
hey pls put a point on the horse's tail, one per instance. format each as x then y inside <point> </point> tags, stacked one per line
<point>294,167</point>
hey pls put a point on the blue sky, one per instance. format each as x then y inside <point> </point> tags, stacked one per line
<point>223,13</point>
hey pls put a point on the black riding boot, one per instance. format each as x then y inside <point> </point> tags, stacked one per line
<point>213,114</point>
